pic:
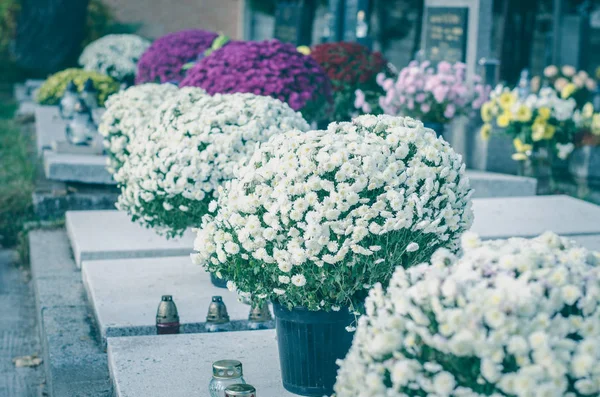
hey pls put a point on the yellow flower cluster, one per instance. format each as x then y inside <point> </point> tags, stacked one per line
<point>522,150</point>
<point>589,119</point>
<point>54,87</point>
<point>506,109</point>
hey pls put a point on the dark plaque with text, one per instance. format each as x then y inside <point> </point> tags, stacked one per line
<point>288,16</point>
<point>445,32</point>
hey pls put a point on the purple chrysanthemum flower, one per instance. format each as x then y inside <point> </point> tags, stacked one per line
<point>163,60</point>
<point>268,68</point>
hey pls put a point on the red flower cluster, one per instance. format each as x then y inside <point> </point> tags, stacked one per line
<point>348,64</point>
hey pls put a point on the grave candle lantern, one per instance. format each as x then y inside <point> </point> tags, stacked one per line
<point>80,130</point>
<point>217,318</point>
<point>241,390</point>
<point>259,316</point>
<point>90,94</point>
<point>167,318</point>
<point>225,374</point>
<point>69,100</point>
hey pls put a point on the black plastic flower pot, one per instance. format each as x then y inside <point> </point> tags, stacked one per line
<point>218,282</point>
<point>309,345</point>
<point>438,128</point>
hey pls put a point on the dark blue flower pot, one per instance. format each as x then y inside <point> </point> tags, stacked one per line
<point>218,282</point>
<point>437,127</point>
<point>310,342</point>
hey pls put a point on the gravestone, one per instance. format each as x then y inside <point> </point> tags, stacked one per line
<point>446,34</point>
<point>294,21</point>
<point>457,30</point>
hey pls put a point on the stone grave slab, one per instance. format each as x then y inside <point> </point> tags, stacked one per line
<point>20,92</point>
<point>95,148</point>
<point>49,126</point>
<point>181,365</point>
<point>591,242</point>
<point>125,293</point>
<point>111,234</point>
<point>82,168</point>
<point>530,216</point>
<point>26,109</point>
<point>490,184</point>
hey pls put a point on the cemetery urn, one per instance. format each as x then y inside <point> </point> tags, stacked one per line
<point>81,128</point>
<point>167,318</point>
<point>69,101</point>
<point>217,311</point>
<point>90,94</point>
<point>244,390</point>
<point>225,374</point>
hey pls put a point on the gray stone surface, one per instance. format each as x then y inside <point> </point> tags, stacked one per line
<point>53,203</point>
<point>74,361</point>
<point>180,365</point>
<point>591,242</point>
<point>125,293</point>
<point>531,216</point>
<point>112,235</point>
<point>73,357</point>
<point>584,165</point>
<point>490,184</point>
<point>20,93</point>
<point>49,126</point>
<point>80,168</point>
<point>51,199</point>
<point>94,149</point>
<point>26,109</point>
<point>493,155</point>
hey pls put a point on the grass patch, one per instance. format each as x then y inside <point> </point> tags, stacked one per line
<point>17,176</point>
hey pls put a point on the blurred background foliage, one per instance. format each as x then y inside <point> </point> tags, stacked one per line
<point>100,22</point>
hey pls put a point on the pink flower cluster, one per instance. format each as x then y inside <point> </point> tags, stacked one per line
<point>432,95</point>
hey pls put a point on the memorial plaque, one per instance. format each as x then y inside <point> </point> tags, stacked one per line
<point>288,16</point>
<point>445,32</point>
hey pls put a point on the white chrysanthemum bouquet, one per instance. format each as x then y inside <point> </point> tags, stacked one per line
<point>127,113</point>
<point>508,318</point>
<point>115,55</point>
<point>317,218</point>
<point>194,143</point>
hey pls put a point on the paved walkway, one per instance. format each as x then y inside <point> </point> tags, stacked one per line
<point>18,332</point>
